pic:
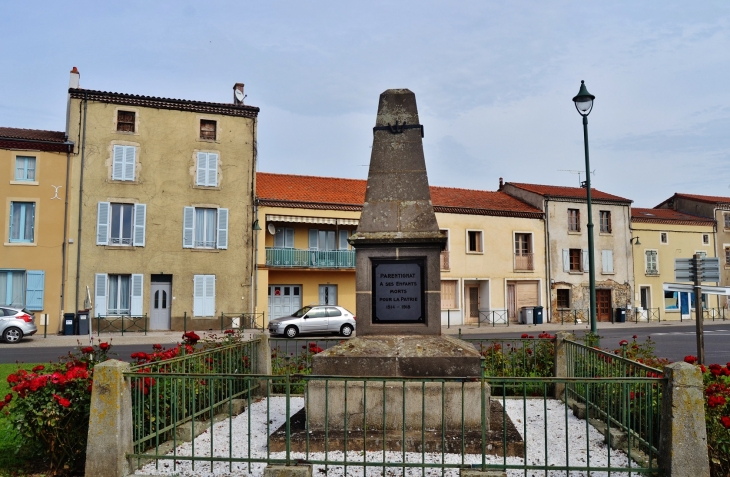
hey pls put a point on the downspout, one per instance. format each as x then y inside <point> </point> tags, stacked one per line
<point>717,253</point>
<point>81,202</point>
<point>254,268</point>
<point>64,247</point>
<point>548,286</point>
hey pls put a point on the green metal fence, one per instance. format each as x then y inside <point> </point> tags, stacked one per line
<point>121,323</point>
<point>242,321</point>
<point>292,257</point>
<point>646,315</point>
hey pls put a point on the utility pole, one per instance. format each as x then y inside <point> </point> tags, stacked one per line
<point>697,265</point>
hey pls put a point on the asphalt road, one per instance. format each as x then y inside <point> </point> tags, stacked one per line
<point>673,342</point>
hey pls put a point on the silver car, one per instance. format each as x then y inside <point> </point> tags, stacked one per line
<point>16,323</point>
<point>314,319</point>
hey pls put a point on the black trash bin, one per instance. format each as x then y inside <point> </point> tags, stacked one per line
<point>82,318</point>
<point>537,315</point>
<point>620,315</point>
<point>68,323</point>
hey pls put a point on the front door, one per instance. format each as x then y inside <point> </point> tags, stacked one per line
<point>511,303</point>
<point>684,304</point>
<point>328,294</point>
<point>603,305</point>
<point>160,302</point>
<point>284,300</point>
<point>473,305</point>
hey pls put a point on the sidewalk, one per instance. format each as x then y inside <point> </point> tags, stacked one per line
<point>165,338</point>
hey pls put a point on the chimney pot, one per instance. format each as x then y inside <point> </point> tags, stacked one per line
<point>501,183</point>
<point>73,81</point>
<point>238,87</point>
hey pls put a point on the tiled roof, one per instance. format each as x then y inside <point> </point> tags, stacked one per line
<point>667,216</point>
<point>226,109</point>
<point>33,139</point>
<point>568,192</point>
<point>288,190</point>
<point>705,198</point>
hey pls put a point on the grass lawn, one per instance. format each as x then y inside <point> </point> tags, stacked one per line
<point>10,464</point>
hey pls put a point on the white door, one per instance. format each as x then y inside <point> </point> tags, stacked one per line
<point>328,294</point>
<point>284,300</point>
<point>160,303</point>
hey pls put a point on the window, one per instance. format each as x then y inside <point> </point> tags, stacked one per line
<point>321,239</point>
<point>664,237</point>
<point>523,252</point>
<point>22,222</point>
<point>125,121</point>
<point>563,297</point>
<point>605,221</point>
<point>284,237</point>
<point>727,256</point>
<point>121,224</point>
<point>207,129</point>
<point>671,300</point>
<point>24,168</point>
<point>575,255</point>
<point>573,220</point>
<point>449,296</point>
<point>22,289</point>
<point>124,163</point>
<point>204,295</point>
<point>344,234</point>
<point>474,241</point>
<point>705,239</point>
<point>607,261</point>
<point>207,170</point>
<point>205,228</point>
<point>118,294</point>
<point>652,262</point>
<point>727,220</point>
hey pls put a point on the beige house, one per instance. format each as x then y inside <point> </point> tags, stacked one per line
<point>34,214</point>
<point>163,206</point>
<point>493,264</point>
<point>566,234</point>
<point>660,236</point>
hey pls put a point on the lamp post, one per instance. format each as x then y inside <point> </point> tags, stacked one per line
<point>584,104</point>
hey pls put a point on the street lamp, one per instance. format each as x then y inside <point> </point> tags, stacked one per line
<point>584,104</point>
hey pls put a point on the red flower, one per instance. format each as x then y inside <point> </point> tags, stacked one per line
<point>157,346</point>
<point>524,335</point>
<point>634,336</point>
<point>40,367</point>
<point>8,398</point>
<point>104,346</point>
<point>623,343</point>
<point>58,378</point>
<point>702,367</point>
<point>725,421</point>
<point>12,379</point>
<point>714,401</point>
<point>229,332</point>
<point>632,395</point>
<point>87,349</point>
<point>62,401</point>
<point>690,359</point>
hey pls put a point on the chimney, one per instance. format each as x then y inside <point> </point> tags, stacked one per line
<point>501,183</point>
<point>73,81</point>
<point>238,95</point>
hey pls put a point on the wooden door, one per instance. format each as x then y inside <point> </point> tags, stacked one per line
<point>511,305</point>
<point>603,305</point>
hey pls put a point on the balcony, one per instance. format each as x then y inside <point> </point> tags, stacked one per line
<point>296,258</point>
<point>444,260</point>
<point>524,262</point>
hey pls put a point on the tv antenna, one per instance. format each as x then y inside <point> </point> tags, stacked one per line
<point>580,182</point>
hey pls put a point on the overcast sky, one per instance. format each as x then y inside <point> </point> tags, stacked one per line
<point>493,81</point>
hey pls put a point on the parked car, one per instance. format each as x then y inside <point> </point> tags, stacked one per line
<point>16,323</point>
<point>314,319</point>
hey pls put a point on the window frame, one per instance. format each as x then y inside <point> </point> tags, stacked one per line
<point>24,178</point>
<point>208,308</point>
<point>119,241</point>
<point>126,166</point>
<point>203,132</point>
<point>207,176</point>
<point>479,236</point>
<point>726,247</point>
<point>133,122</point>
<point>726,217</point>
<point>221,231</point>
<point>647,271</point>
<point>665,236</point>
<point>455,284</point>
<point>574,220</point>
<point>571,253</point>
<point>604,225</point>
<point>22,224</point>
<point>705,236</point>
<point>285,233</point>
<point>117,310</point>
<point>558,292</point>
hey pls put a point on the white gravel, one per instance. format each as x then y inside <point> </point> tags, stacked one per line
<point>535,432</point>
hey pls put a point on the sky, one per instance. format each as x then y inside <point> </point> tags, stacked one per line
<point>494,81</point>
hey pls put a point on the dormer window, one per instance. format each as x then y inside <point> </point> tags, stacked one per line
<point>207,129</point>
<point>125,121</point>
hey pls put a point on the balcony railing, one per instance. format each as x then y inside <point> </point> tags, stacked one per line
<point>292,257</point>
<point>444,260</point>
<point>524,261</point>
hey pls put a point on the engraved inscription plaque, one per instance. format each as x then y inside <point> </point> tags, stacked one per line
<point>398,291</point>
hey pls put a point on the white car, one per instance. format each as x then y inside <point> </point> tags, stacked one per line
<point>16,323</point>
<point>314,319</point>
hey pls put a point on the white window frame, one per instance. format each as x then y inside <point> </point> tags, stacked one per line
<point>664,235</point>
<point>221,228</point>
<point>285,237</point>
<point>104,224</point>
<point>578,229</point>
<point>102,296</point>
<point>124,163</point>
<point>342,236</point>
<point>206,169</point>
<point>606,263</point>
<point>705,236</point>
<point>646,262</point>
<point>25,169</point>
<point>480,241</point>
<point>22,222</point>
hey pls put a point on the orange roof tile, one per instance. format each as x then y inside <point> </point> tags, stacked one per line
<point>667,216</point>
<point>567,192</point>
<point>705,198</point>
<point>34,139</point>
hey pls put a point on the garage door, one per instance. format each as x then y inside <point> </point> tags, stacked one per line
<point>284,300</point>
<point>525,294</point>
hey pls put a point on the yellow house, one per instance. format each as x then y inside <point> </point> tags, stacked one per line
<point>493,265</point>
<point>163,202</point>
<point>34,210</point>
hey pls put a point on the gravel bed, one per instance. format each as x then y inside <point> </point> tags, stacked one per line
<point>535,438</point>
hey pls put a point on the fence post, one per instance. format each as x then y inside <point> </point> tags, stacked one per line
<point>560,366</point>
<point>683,435</point>
<point>110,422</point>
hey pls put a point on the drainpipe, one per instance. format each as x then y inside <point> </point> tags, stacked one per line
<point>254,268</point>
<point>64,247</point>
<point>547,263</point>
<point>81,202</point>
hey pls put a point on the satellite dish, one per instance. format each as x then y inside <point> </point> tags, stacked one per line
<point>239,95</point>
<point>271,228</point>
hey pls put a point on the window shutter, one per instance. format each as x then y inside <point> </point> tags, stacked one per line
<point>201,176</point>
<point>129,160</point>
<point>313,239</point>
<point>34,289</point>
<point>212,170</point>
<point>198,294</point>
<point>586,264</point>
<point>289,238</point>
<point>135,308</point>
<point>222,241</point>
<point>188,225</point>
<point>102,224</point>
<point>209,309</point>
<point>100,294</point>
<point>140,218</point>
<point>566,260</point>
<point>607,256</point>
<point>118,163</point>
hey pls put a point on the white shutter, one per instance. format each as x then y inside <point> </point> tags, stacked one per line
<point>188,226</point>
<point>129,160</point>
<point>118,163</point>
<point>201,175</point>
<point>209,295</point>
<point>137,287</point>
<point>586,262</point>
<point>140,218</point>
<point>100,294</point>
<point>222,241</point>
<point>102,224</point>
<point>313,239</point>
<point>607,258</point>
<point>198,294</point>
<point>289,238</point>
<point>566,260</point>
<point>212,169</point>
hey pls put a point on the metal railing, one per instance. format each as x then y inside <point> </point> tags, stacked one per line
<point>715,314</point>
<point>524,261</point>
<point>242,321</point>
<point>444,260</point>
<point>647,315</point>
<point>122,323</point>
<point>292,257</point>
<point>493,318</point>
<point>570,316</point>
<point>516,357</point>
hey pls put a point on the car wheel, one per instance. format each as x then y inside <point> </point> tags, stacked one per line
<point>12,335</point>
<point>346,330</point>
<point>291,332</point>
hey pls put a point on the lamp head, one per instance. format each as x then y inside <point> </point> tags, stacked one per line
<point>637,241</point>
<point>583,100</point>
<point>256,225</point>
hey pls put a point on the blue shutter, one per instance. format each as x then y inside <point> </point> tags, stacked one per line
<point>201,174</point>
<point>188,226</point>
<point>137,286</point>
<point>102,224</point>
<point>607,258</point>
<point>222,241</point>
<point>129,162</point>
<point>212,170</point>
<point>198,295</point>
<point>209,309</point>
<point>118,163</point>
<point>140,217</point>
<point>100,294</point>
<point>35,280</point>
